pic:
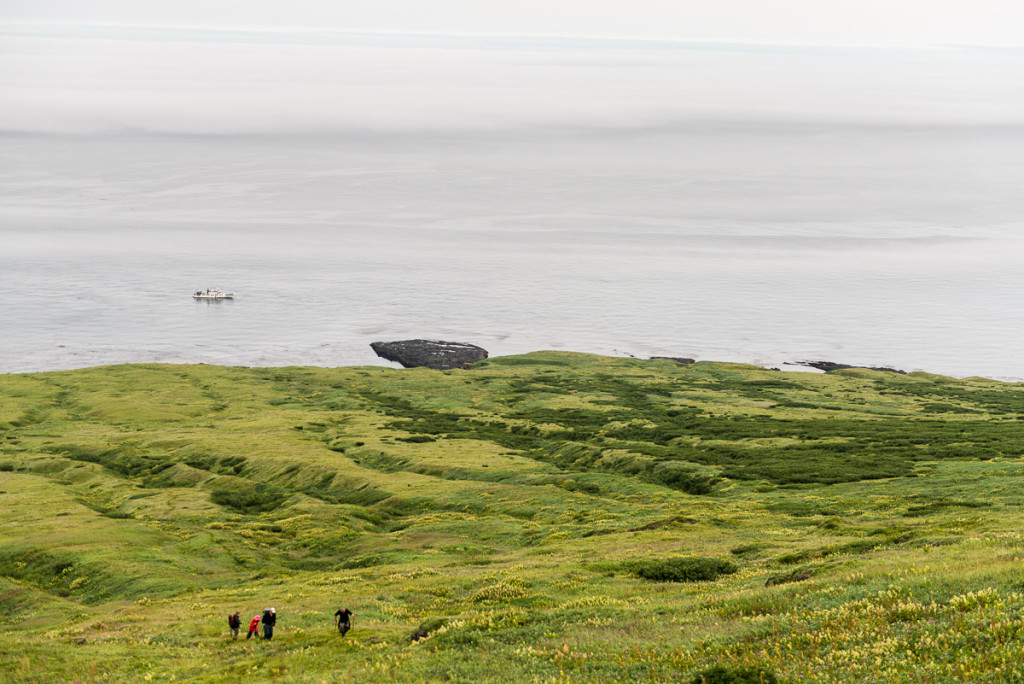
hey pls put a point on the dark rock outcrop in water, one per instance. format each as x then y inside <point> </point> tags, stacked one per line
<point>677,359</point>
<point>831,366</point>
<point>430,353</point>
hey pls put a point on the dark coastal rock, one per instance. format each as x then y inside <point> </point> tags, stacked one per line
<point>677,359</point>
<point>831,366</point>
<point>430,353</point>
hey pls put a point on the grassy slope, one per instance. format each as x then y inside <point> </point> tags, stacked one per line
<point>140,504</point>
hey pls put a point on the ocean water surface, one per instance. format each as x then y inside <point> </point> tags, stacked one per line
<point>857,246</point>
<point>616,213</point>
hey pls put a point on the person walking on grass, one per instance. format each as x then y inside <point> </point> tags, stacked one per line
<point>254,627</point>
<point>234,624</point>
<point>343,619</point>
<point>269,620</point>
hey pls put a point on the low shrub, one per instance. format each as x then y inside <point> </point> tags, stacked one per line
<point>427,628</point>
<point>748,549</point>
<point>260,498</point>
<point>740,675</point>
<point>683,477</point>
<point>367,561</point>
<point>794,576</point>
<point>693,569</point>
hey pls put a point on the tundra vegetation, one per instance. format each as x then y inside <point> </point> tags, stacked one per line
<point>550,517</point>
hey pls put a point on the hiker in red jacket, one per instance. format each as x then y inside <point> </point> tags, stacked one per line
<point>254,626</point>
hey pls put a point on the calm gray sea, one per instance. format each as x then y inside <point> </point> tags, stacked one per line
<point>881,245</point>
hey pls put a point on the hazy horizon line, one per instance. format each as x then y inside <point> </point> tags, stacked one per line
<point>465,40</point>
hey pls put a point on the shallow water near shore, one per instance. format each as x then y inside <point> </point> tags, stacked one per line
<point>875,246</point>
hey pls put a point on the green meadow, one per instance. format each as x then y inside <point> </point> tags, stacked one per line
<point>551,517</point>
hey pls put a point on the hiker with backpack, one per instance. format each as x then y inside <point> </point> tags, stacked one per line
<point>343,619</point>
<point>269,620</point>
<point>234,624</point>
<point>254,627</point>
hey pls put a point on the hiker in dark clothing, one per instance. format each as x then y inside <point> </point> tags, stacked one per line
<point>234,624</point>
<point>269,620</point>
<point>343,618</point>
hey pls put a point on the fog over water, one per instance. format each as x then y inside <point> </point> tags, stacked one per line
<point>725,202</point>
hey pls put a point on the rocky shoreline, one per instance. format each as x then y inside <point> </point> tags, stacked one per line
<point>445,355</point>
<point>832,366</point>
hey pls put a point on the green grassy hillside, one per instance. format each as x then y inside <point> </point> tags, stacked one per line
<point>547,517</point>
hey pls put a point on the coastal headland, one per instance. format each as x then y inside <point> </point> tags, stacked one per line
<point>545,517</point>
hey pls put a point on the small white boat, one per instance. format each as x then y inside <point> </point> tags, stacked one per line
<point>215,293</point>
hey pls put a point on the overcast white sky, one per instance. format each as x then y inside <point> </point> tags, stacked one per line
<point>83,66</point>
<point>813,22</point>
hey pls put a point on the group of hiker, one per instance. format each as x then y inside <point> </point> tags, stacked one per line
<point>342,620</point>
<point>268,619</point>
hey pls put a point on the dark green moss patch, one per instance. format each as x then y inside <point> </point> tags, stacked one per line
<point>684,569</point>
<point>250,499</point>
